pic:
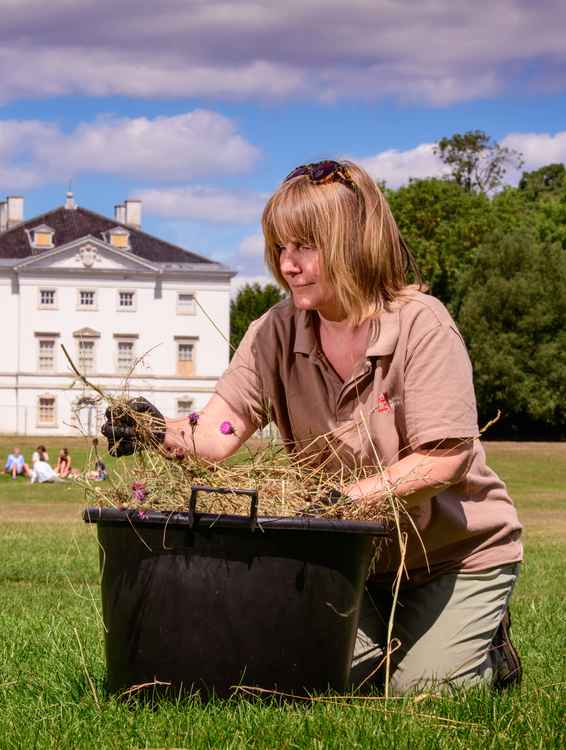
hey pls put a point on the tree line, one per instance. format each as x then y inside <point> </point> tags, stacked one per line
<point>495,254</point>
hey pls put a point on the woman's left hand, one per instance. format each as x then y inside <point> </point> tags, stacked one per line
<point>419,476</point>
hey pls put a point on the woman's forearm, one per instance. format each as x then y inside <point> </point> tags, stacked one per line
<point>418,476</point>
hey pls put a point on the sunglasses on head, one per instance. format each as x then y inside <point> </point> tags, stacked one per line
<point>322,172</point>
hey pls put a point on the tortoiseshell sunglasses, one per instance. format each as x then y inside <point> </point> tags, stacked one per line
<point>321,172</point>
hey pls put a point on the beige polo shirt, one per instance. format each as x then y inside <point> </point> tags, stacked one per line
<point>415,386</point>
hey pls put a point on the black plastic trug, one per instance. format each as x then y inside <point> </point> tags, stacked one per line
<point>203,601</point>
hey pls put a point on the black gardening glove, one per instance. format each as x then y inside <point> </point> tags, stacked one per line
<point>334,497</point>
<point>126,434</point>
<point>320,506</point>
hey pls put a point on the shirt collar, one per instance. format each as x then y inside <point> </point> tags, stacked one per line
<point>305,338</point>
<point>384,334</point>
<point>383,338</point>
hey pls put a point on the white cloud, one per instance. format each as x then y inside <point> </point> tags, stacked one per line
<point>204,203</point>
<point>178,147</point>
<point>17,168</point>
<point>16,179</point>
<point>435,83</point>
<point>397,167</point>
<point>248,259</point>
<point>538,149</point>
<point>119,71</point>
<point>252,246</point>
<point>436,51</point>
<point>18,136</point>
<point>174,148</point>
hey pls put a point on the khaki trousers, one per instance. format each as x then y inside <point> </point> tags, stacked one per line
<point>444,629</point>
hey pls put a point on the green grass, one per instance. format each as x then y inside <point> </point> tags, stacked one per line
<point>52,661</point>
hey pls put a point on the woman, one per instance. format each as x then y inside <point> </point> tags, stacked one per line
<point>41,470</point>
<point>40,454</point>
<point>15,464</point>
<point>357,352</point>
<point>63,465</point>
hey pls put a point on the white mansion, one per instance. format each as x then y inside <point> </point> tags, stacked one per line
<point>109,293</point>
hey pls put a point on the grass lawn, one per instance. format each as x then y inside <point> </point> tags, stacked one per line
<point>52,660</point>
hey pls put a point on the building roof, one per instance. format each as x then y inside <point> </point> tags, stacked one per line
<point>71,224</point>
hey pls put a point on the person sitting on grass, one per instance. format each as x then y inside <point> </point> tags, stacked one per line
<point>99,473</point>
<point>16,465</point>
<point>63,465</point>
<point>359,353</point>
<point>39,454</point>
<point>41,470</point>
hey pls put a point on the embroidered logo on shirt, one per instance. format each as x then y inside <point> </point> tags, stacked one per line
<point>383,404</point>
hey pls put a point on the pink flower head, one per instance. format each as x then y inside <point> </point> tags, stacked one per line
<point>139,491</point>
<point>227,428</point>
<point>141,514</point>
<point>193,418</point>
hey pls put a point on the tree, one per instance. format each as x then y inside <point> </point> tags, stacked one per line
<point>249,304</point>
<point>443,225</point>
<point>547,182</point>
<point>512,318</point>
<point>476,162</point>
<point>540,202</point>
<point>498,260</point>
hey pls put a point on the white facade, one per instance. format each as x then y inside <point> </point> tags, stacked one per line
<point>108,307</point>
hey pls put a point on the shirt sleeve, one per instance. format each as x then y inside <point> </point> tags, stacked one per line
<point>241,385</point>
<point>439,397</point>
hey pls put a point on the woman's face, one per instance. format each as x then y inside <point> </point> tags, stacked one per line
<point>302,270</point>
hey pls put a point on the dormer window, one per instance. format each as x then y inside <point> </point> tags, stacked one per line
<point>118,237</point>
<point>41,237</point>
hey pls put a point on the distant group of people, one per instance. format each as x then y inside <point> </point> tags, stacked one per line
<point>42,471</point>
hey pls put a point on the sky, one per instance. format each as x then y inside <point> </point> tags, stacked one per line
<point>201,107</point>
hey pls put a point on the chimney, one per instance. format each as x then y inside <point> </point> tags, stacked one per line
<point>3,216</point>
<point>120,213</point>
<point>133,213</point>
<point>15,210</point>
<point>69,202</point>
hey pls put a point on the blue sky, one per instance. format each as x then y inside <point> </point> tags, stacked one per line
<point>201,107</point>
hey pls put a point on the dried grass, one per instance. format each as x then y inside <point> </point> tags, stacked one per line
<point>286,485</point>
<point>300,483</point>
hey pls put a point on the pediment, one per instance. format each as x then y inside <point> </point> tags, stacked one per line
<point>89,254</point>
<point>86,333</point>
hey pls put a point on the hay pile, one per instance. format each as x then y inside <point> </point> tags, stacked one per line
<point>288,485</point>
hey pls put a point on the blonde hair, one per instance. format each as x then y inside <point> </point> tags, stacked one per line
<point>362,253</point>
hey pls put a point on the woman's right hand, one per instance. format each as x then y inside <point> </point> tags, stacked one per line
<point>122,429</point>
